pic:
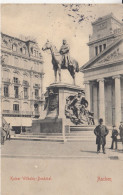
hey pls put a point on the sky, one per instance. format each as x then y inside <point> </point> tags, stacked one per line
<point>56,22</point>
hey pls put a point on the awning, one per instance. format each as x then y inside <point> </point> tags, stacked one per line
<point>18,121</point>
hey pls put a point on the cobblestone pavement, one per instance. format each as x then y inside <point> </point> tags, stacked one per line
<point>42,149</point>
<point>73,168</point>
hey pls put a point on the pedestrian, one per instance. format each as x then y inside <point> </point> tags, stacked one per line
<point>101,132</point>
<point>9,132</point>
<point>114,137</point>
<point>121,133</point>
<point>3,135</point>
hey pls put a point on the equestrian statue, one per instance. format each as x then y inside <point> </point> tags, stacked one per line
<point>62,60</point>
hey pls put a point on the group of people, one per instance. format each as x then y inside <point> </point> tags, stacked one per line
<point>101,131</point>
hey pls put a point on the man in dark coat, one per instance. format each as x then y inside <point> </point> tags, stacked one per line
<point>114,137</point>
<point>101,132</point>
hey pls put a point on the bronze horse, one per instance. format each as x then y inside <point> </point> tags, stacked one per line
<point>57,61</point>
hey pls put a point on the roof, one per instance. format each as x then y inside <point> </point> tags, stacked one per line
<point>91,61</point>
<point>100,19</point>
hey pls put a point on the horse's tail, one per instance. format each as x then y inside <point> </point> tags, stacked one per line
<point>76,66</point>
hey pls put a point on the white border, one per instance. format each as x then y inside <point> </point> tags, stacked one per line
<point>63,1</point>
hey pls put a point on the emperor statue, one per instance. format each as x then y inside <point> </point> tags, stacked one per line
<point>64,51</point>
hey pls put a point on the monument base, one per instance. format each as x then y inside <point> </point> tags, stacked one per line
<point>47,125</point>
<point>55,120</point>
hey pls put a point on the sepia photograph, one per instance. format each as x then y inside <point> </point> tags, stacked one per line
<point>61,99</point>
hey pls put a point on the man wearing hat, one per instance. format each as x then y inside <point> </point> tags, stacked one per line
<point>114,137</point>
<point>64,50</point>
<point>121,132</point>
<point>101,132</point>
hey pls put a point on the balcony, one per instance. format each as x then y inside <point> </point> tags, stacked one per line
<point>26,97</point>
<point>6,95</point>
<point>25,83</point>
<point>16,96</point>
<point>17,112</point>
<point>36,85</point>
<point>37,97</point>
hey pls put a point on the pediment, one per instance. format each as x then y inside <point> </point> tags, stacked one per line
<point>110,55</point>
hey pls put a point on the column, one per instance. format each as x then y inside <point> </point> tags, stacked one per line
<point>101,99</point>
<point>87,93</point>
<point>117,100</point>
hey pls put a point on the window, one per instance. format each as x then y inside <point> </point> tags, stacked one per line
<point>16,107</point>
<point>14,47</point>
<point>6,91</point>
<point>16,80</point>
<point>104,46</point>
<point>36,92</point>
<point>25,92</point>
<point>24,50</point>
<point>100,48</point>
<point>36,107</point>
<point>16,91</point>
<point>96,51</point>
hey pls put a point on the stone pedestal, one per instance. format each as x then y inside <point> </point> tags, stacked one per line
<point>55,120</point>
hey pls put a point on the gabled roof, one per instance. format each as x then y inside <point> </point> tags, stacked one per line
<point>98,57</point>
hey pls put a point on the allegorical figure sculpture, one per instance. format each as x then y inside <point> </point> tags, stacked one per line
<point>62,60</point>
<point>51,101</point>
<point>76,109</point>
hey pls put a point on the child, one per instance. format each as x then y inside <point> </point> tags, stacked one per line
<point>114,137</point>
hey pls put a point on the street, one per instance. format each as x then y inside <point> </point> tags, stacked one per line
<point>73,168</point>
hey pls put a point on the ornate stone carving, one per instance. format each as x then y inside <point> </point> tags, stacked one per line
<point>51,102</point>
<point>112,56</point>
<point>76,110</point>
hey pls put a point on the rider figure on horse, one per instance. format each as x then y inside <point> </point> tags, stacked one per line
<point>64,51</point>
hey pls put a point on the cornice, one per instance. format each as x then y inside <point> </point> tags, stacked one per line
<point>21,56</point>
<point>101,39</point>
<point>22,69</point>
<point>106,65</point>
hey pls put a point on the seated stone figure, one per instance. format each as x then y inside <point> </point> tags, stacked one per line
<point>76,109</point>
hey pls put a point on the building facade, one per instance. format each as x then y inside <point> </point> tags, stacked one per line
<point>22,81</point>
<point>103,73</point>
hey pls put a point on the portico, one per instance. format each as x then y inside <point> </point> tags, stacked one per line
<point>104,97</point>
<point>103,73</point>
